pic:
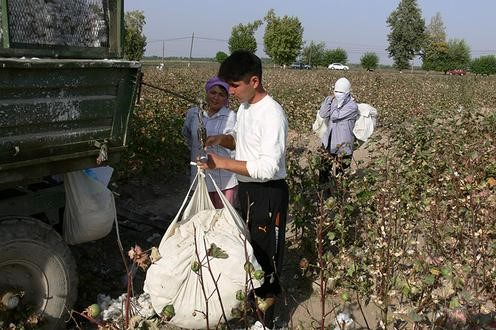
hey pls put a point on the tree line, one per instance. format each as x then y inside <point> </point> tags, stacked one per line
<point>408,38</point>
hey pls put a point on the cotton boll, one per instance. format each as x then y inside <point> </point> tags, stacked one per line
<point>10,300</point>
<point>113,308</point>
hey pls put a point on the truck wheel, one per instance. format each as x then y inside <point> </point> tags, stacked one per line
<point>34,259</point>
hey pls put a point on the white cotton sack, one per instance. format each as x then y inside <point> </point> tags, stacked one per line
<point>173,281</point>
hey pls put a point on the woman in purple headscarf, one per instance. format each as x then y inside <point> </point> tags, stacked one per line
<point>217,119</point>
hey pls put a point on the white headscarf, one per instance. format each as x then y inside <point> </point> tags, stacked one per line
<point>342,89</point>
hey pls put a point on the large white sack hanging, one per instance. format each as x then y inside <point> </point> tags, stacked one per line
<point>172,281</point>
<point>320,126</point>
<point>89,208</point>
<point>365,123</point>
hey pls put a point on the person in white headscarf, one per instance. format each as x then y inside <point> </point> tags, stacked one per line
<point>340,111</point>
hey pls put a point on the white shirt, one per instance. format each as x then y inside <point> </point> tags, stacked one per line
<point>221,122</point>
<point>261,132</point>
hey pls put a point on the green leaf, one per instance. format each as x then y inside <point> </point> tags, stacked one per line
<point>345,296</point>
<point>415,317</point>
<point>406,290</point>
<point>249,268</point>
<point>240,295</point>
<point>446,272</point>
<point>365,195</point>
<point>429,279</point>
<point>454,303</point>
<point>411,316</point>
<point>349,208</point>
<point>195,266</point>
<point>258,274</point>
<point>217,252</point>
<point>168,312</point>
<point>466,295</point>
<point>351,270</point>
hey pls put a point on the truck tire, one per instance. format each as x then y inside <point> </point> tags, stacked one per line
<point>35,259</point>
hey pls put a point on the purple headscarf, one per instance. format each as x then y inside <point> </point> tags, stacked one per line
<point>216,81</point>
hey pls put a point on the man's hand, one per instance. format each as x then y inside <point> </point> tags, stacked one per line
<point>214,161</point>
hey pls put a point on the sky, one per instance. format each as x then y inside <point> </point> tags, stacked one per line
<point>358,26</point>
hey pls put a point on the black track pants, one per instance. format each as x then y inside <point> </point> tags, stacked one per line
<point>266,206</point>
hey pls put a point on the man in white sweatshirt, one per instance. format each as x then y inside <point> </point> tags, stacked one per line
<point>259,138</point>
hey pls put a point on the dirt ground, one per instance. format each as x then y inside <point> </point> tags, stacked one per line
<point>145,208</point>
<point>144,211</point>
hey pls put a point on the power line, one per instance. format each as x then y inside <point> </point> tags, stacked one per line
<point>212,39</point>
<point>361,47</point>
<point>172,39</point>
<point>356,48</point>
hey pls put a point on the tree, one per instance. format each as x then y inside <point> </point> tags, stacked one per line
<point>484,65</point>
<point>407,34</point>
<point>436,56</point>
<point>220,57</point>
<point>283,38</point>
<point>313,54</point>
<point>243,37</point>
<point>435,53</point>
<point>444,56</point>
<point>337,55</point>
<point>134,39</point>
<point>458,54</point>
<point>369,61</point>
<point>435,30</point>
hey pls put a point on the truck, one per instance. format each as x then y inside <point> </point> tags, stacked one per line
<point>66,98</point>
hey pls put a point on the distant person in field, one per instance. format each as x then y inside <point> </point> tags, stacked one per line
<point>340,111</point>
<point>259,139</point>
<point>217,119</point>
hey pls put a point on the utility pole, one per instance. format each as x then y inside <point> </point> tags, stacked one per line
<point>163,51</point>
<point>310,55</point>
<point>191,48</point>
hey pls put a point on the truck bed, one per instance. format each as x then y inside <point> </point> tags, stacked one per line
<point>56,114</point>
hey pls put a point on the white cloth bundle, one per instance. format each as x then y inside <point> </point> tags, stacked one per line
<point>89,208</point>
<point>319,126</point>
<point>365,123</point>
<point>172,280</point>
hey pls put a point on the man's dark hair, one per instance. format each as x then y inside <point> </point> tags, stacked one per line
<point>240,65</point>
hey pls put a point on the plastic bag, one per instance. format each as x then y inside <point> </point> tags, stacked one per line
<point>365,124</point>
<point>89,208</point>
<point>175,278</point>
<point>102,174</point>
